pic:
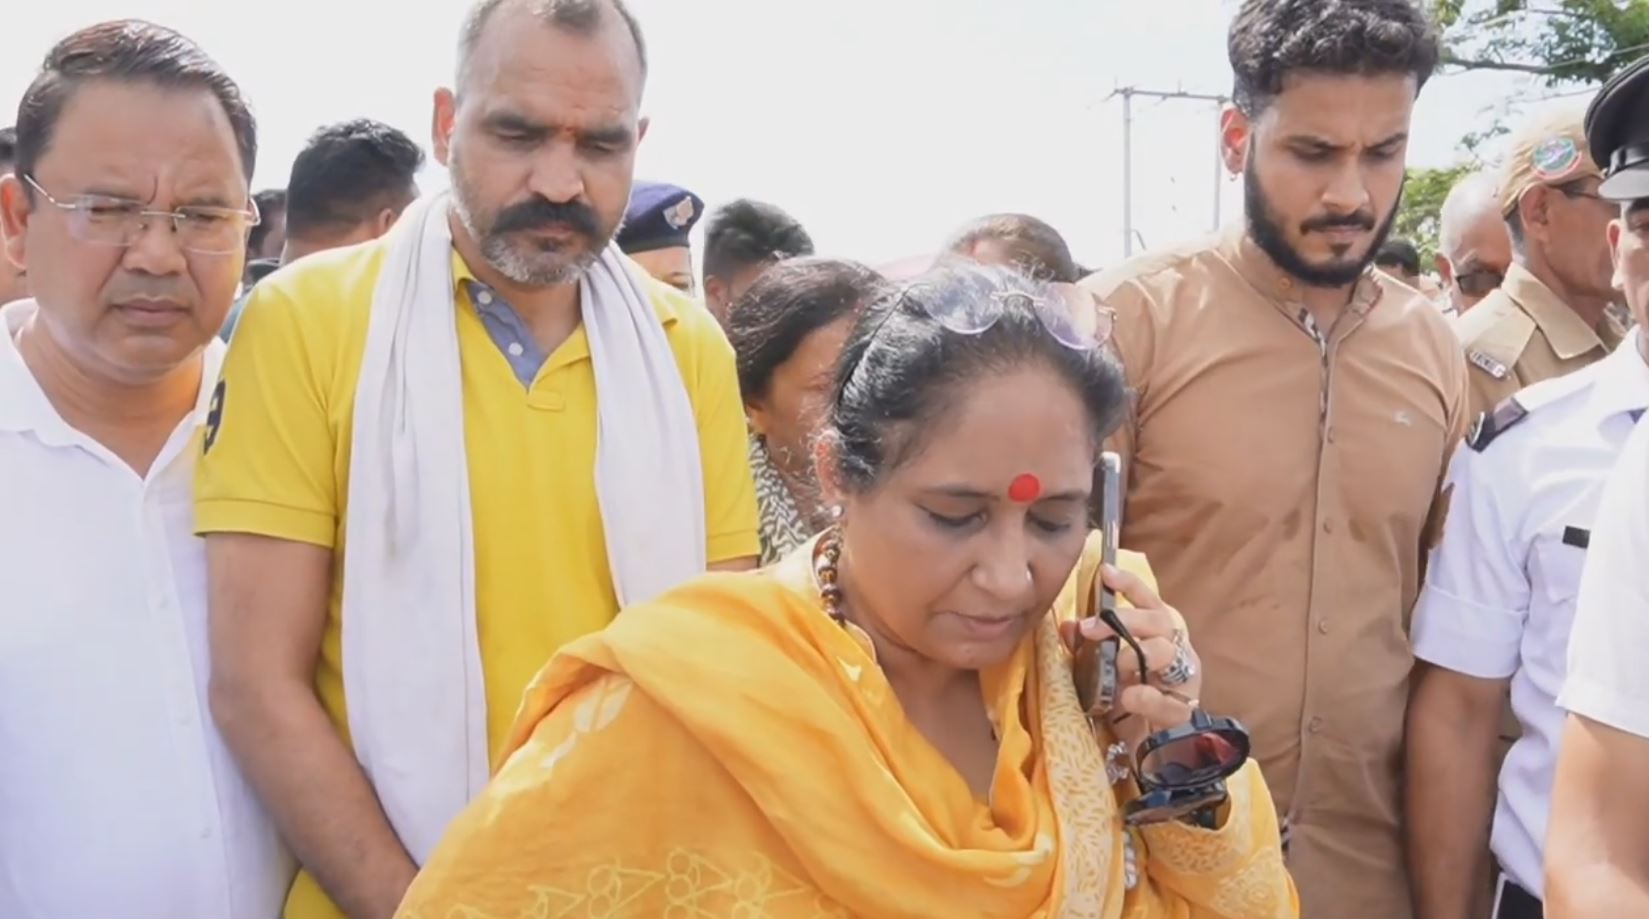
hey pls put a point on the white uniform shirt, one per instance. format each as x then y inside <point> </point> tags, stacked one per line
<point>117,797</point>
<point>1608,671</point>
<point>1500,590</point>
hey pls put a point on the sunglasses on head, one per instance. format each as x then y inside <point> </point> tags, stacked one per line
<point>1067,312</point>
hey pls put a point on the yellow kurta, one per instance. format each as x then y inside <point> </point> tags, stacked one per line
<point>730,751</point>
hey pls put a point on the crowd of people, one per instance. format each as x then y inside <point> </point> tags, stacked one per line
<point>376,553</point>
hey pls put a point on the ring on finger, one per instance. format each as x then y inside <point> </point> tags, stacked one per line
<point>1180,670</point>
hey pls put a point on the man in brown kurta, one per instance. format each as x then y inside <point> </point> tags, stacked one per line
<point>1294,415</point>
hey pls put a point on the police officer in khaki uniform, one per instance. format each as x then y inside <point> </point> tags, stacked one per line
<point>1552,315</point>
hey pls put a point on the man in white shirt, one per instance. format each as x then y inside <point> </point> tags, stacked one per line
<point>129,209</point>
<point>1496,610</point>
<point>1598,842</point>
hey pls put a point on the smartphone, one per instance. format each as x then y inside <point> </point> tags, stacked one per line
<point>1094,664</point>
<point>1110,522</point>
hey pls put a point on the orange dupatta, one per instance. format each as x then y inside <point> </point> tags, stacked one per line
<point>730,751</point>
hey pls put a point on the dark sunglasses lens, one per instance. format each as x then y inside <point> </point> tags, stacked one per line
<point>1194,760</point>
<point>1479,283</point>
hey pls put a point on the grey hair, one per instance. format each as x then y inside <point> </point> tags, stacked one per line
<point>1470,199</point>
<point>581,17</point>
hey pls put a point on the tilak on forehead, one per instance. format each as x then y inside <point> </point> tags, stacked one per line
<point>1025,488</point>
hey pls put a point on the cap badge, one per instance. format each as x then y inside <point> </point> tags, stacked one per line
<point>681,214</point>
<point>1554,158</point>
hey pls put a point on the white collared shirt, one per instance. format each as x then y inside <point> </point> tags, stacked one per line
<point>1608,670</point>
<point>117,796</point>
<point>1500,590</point>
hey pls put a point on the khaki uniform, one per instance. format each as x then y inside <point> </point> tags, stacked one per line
<point>1282,480</point>
<point>1522,334</point>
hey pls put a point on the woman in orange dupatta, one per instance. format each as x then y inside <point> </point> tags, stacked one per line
<point>884,724</point>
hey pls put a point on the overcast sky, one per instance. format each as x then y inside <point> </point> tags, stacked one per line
<point>881,124</point>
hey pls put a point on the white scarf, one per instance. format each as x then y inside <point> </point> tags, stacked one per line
<point>411,660</point>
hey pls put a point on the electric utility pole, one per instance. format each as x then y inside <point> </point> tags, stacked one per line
<point>1128,93</point>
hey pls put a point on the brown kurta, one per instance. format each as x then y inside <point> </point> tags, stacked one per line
<point>1522,334</point>
<point>1282,484</point>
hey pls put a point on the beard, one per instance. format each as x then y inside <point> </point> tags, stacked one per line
<point>530,261</point>
<point>1266,229</point>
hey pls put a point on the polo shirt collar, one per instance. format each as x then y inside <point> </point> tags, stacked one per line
<point>23,404</point>
<point>465,283</point>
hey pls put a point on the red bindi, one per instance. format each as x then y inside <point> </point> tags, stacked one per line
<point>1025,488</point>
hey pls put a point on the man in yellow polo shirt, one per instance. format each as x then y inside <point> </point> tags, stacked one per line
<point>337,413</point>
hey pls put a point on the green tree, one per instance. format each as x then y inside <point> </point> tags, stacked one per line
<point>1559,41</point>
<point>1567,45</point>
<point>1423,197</point>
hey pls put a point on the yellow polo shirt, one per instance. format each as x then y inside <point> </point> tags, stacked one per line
<point>278,465</point>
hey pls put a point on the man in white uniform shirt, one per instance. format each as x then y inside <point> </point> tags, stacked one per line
<point>1496,609</point>
<point>129,209</point>
<point>1598,843</point>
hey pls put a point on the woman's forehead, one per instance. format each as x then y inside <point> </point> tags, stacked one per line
<point>997,428</point>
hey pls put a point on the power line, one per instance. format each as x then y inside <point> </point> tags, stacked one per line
<point>1128,93</point>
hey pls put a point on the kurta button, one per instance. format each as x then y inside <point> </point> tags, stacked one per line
<point>1322,626</point>
<point>1328,526</point>
<point>1315,725</point>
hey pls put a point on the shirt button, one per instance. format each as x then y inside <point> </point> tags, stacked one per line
<point>484,298</point>
<point>1315,725</point>
<point>1330,435</point>
<point>1328,526</point>
<point>515,349</point>
<point>1322,626</point>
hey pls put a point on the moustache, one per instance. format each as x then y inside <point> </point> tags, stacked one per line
<point>540,213</point>
<point>154,293</point>
<point>1360,220</point>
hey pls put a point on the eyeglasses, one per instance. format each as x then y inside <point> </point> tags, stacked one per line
<point>973,305</point>
<point>1575,190</point>
<point>1062,314</point>
<point>1479,282</point>
<point>108,221</point>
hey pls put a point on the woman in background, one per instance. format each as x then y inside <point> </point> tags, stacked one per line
<point>787,331</point>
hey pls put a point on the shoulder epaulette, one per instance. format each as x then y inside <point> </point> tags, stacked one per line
<point>1492,424</point>
<point>1495,332</point>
